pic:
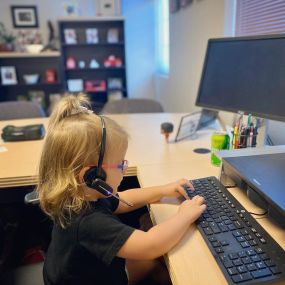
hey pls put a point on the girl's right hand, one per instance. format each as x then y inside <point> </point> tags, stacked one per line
<point>192,209</point>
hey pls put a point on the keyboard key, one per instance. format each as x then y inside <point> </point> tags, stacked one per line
<point>255,258</point>
<point>261,273</point>
<point>245,244</point>
<point>246,260</point>
<point>260,265</point>
<point>269,263</point>
<point>232,271</point>
<point>251,267</point>
<point>233,256</point>
<point>237,262</point>
<point>242,269</point>
<point>241,277</point>
<point>242,253</point>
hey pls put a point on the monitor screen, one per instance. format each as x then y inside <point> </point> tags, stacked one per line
<point>245,74</point>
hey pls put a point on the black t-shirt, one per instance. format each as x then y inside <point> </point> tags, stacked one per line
<point>85,252</point>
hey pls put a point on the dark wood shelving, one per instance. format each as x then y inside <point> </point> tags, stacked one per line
<point>95,69</point>
<point>37,85</point>
<point>83,51</point>
<point>93,45</point>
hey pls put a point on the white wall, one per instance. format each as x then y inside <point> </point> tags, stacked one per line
<point>140,47</point>
<point>190,29</point>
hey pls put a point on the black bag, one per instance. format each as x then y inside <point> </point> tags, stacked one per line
<point>32,132</point>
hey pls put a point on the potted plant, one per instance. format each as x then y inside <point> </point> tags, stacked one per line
<point>6,39</point>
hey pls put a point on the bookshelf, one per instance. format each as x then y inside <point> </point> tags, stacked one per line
<point>22,64</point>
<point>93,58</point>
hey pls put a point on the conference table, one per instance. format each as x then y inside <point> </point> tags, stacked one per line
<point>154,161</point>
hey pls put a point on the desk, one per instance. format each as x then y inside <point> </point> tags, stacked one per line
<point>154,162</point>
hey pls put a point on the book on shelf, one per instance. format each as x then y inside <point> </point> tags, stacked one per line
<point>70,36</point>
<point>113,35</point>
<point>92,36</point>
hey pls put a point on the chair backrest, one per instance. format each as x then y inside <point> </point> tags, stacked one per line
<point>20,110</point>
<point>132,106</point>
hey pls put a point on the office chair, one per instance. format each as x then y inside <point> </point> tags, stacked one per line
<point>20,110</point>
<point>128,105</point>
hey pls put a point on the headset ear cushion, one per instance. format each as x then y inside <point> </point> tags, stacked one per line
<point>94,173</point>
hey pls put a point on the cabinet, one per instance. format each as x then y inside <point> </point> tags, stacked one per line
<point>93,58</point>
<point>26,76</point>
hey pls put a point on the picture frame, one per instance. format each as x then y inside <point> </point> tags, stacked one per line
<point>8,75</point>
<point>92,36</point>
<point>70,36</point>
<point>113,36</point>
<point>188,126</point>
<point>24,16</point>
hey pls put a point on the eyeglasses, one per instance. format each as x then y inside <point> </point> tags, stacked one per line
<point>122,166</point>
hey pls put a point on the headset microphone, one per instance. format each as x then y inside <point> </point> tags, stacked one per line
<point>107,190</point>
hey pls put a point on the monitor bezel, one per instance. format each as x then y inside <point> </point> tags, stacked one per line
<point>233,110</point>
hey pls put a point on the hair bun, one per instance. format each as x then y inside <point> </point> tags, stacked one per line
<point>69,105</point>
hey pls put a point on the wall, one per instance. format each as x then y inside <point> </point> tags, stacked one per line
<point>190,28</point>
<point>139,19</point>
<point>140,47</point>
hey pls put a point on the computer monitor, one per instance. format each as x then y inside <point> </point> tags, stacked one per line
<point>245,74</point>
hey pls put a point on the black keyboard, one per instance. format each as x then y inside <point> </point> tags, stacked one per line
<point>244,251</point>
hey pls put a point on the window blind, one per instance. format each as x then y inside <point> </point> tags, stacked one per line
<point>257,17</point>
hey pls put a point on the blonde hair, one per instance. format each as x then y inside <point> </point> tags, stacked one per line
<point>73,141</point>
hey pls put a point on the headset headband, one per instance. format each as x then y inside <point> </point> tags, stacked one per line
<point>103,143</point>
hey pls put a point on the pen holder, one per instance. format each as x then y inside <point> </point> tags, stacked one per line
<point>244,141</point>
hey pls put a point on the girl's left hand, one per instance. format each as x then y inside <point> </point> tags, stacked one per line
<point>176,189</point>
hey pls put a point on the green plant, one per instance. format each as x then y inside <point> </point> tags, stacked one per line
<point>6,37</point>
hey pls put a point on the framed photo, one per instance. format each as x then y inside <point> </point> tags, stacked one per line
<point>188,126</point>
<point>24,16</point>
<point>113,35</point>
<point>70,36</point>
<point>92,36</point>
<point>8,75</point>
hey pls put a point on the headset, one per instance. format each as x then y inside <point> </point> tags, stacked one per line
<point>95,177</point>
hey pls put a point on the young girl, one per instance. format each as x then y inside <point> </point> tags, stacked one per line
<point>89,243</point>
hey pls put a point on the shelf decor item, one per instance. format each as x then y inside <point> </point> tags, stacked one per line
<point>92,36</point>
<point>8,75</point>
<point>70,63</point>
<point>31,78</point>
<point>70,36</point>
<point>50,75</point>
<point>7,39</point>
<point>95,85</point>
<point>94,63</point>
<point>113,35</point>
<point>75,85</point>
<point>81,64</point>
<point>108,7</point>
<point>24,16</point>
<point>113,61</point>
<point>115,83</point>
